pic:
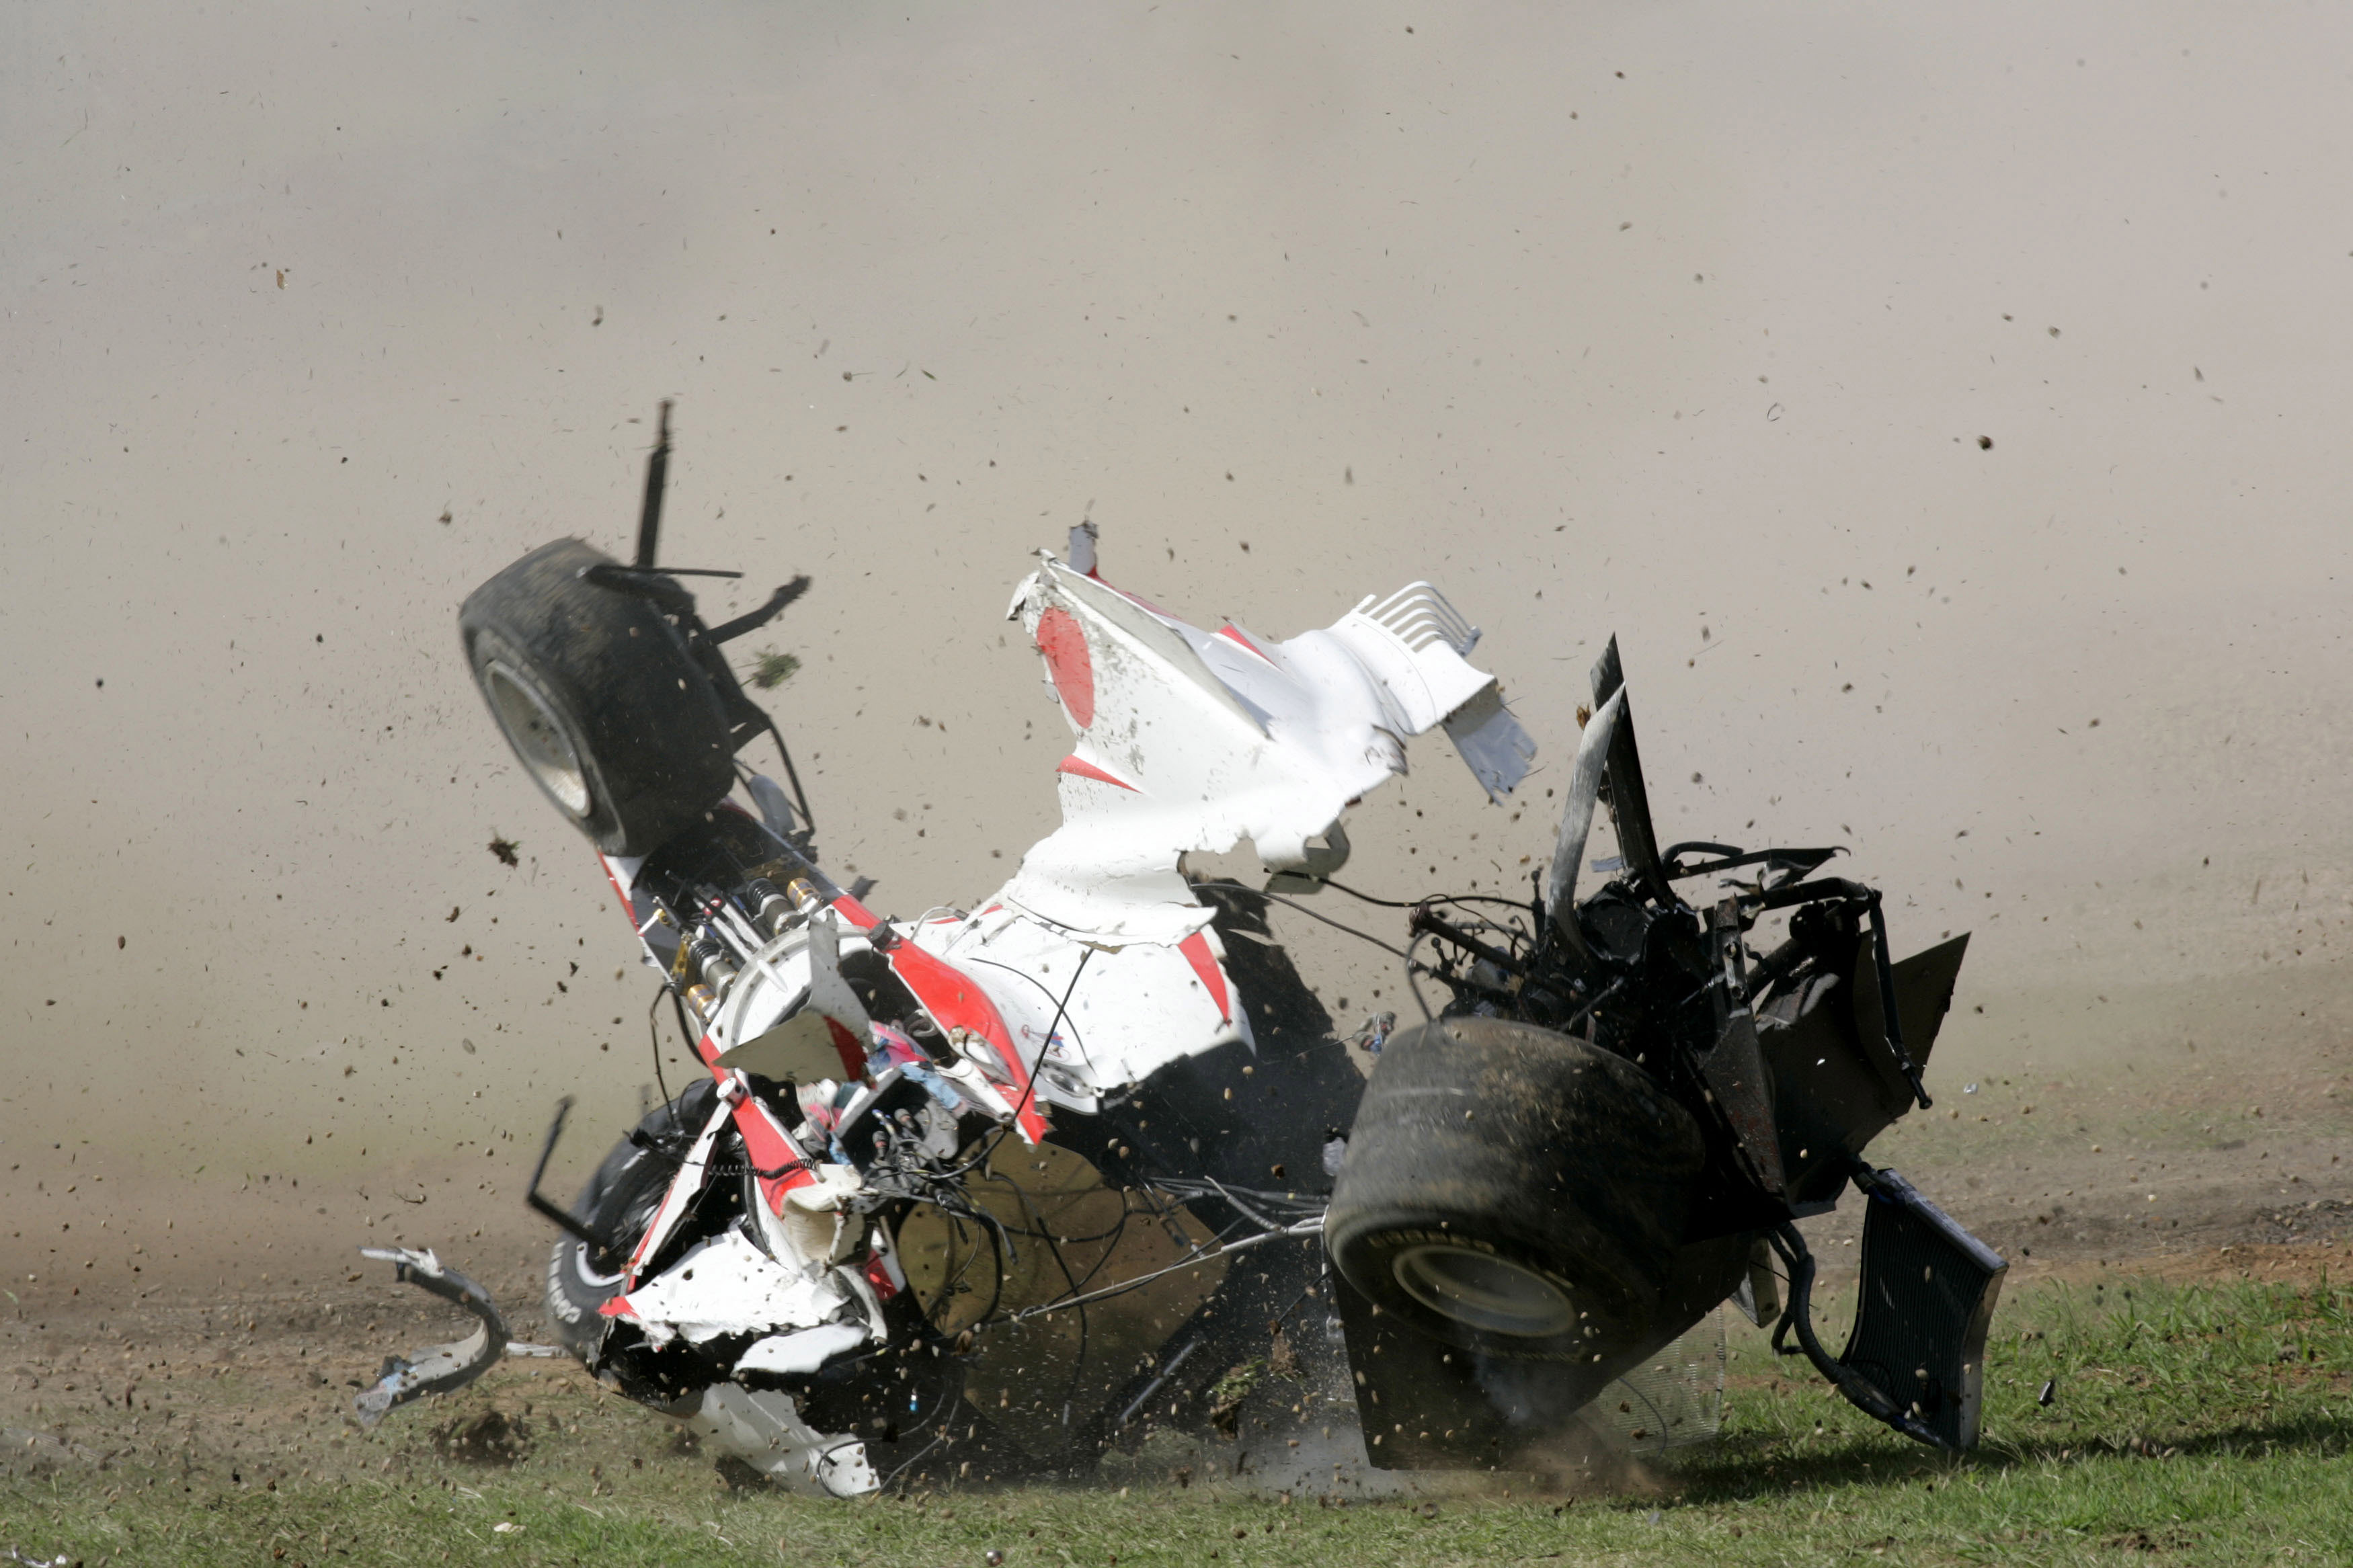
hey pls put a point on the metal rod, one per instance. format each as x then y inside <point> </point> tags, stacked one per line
<point>657,472</point>
<point>1166,1371</point>
<point>1303,1228</point>
<point>1425,922</point>
<point>601,1249</point>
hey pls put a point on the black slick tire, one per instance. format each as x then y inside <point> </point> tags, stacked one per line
<point>1513,1190</point>
<point>595,691</point>
<point>619,1203</point>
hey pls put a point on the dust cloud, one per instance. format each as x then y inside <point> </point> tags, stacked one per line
<point>316,318</point>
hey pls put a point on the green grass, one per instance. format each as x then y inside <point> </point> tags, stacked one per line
<point>773,669</point>
<point>2205,1423</point>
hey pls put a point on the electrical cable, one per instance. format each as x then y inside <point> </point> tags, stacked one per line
<point>1118,1233</point>
<point>1427,1017</point>
<point>1367,897</point>
<point>1311,914</point>
<point>1303,1228</point>
<point>1029,1090</point>
<point>952,1284</point>
<point>1076,1038</point>
<point>1417,904</point>
<point>653,1035</point>
<point>1070,1283</point>
<point>1405,953</point>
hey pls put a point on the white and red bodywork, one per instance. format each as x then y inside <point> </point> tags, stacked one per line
<point>1096,965</point>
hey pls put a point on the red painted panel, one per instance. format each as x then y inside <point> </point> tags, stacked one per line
<point>770,1148</point>
<point>954,1001</point>
<point>1079,768</point>
<point>765,1142</point>
<point>1232,632</point>
<point>848,1047</point>
<point>1064,645</point>
<point>1195,948</point>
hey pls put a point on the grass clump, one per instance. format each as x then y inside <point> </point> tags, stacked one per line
<point>771,670</point>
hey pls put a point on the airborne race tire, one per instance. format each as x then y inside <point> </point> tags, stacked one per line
<point>596,692</point>
<point>619,1203</point>
<point>1513,1191</point>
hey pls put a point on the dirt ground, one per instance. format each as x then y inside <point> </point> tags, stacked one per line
<point>237,1351</point>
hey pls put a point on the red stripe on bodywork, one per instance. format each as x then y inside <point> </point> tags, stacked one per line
<point>1077,767</point>
<point>769,1147</point>
<point>1064,644</point>
<point>1195,948</point>
<point>765,1142</point>
<point>1232,632</point>
<point>619,892</point>
<point>846,1046</point>
<point>954,1001</point>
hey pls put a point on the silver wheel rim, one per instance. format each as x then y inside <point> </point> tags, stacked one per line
<point>533,730</point>
<point>1483,1292</point>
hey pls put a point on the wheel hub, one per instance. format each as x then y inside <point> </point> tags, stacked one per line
<point>538,739</point>
<point>1483,1292</point>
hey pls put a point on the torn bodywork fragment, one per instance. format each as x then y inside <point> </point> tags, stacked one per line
<point>439,1369</point>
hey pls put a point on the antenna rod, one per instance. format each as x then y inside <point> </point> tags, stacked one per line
<point>657,472</point>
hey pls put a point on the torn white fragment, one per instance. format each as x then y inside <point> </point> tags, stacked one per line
<point>727,1285</point>
<point>803,1351</point>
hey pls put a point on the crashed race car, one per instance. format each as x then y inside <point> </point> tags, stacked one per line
<point>1604,1123</point>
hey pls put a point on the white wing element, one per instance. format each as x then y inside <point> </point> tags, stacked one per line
<point>1191,741</point>
<point>1416,647</point>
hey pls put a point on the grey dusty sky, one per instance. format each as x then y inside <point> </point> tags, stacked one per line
<point>1682,321</point>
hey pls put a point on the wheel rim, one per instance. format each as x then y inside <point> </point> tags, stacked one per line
<point>1483,1292</point>
<point>538,739</point>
